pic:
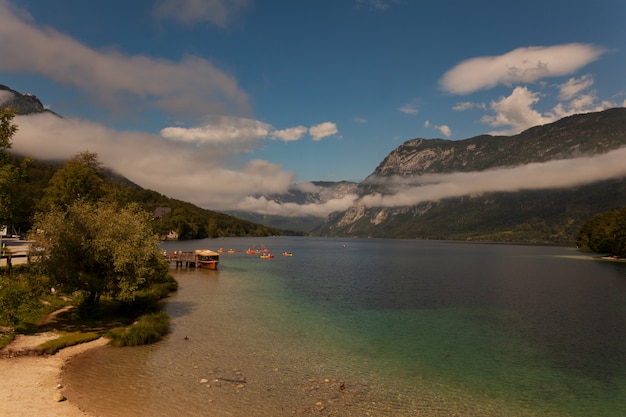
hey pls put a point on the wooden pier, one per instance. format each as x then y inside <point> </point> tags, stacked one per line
<point>186,259</point>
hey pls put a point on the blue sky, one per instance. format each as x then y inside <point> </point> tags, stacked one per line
<point>247,96</point>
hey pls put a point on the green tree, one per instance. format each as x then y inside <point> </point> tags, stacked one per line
<point>604,233</point>
<point>82,178</point>
<point>9,173</point>
<point>99,249</point>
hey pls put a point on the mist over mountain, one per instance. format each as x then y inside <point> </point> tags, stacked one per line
<point>22,103</point>
<point>313,194</point>
<point>538,186</point>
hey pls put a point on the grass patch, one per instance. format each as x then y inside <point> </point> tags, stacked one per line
<point>53,346</point>
<point>6,338</point>
<point>150,328</point>
<point>27,301</point>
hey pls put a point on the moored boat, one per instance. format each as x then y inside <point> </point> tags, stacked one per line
<point>207,258</point>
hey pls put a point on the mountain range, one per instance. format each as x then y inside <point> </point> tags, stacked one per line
<point>485,188</point>
<point>531,210</point>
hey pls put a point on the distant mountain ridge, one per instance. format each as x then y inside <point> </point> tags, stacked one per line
<point>581,134</point>
<point>316,192</point>
<point>544,216</point>
<point>538,216</point>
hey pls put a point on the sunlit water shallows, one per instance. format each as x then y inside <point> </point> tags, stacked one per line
<point>375,327</point>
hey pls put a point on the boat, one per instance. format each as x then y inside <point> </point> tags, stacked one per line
<point>232,251</point>
<point>221,250</point>
<point>252,252</point>
<point>207,258</point>
<point>266,256</point>
<point>287,253</point>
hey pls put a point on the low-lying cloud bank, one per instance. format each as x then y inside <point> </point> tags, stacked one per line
<point>206,174</point>
<point>413,190</point>
<point>210,176</point>
<point>565,173</point>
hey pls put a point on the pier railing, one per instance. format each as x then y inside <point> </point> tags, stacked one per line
<point>186,259</point>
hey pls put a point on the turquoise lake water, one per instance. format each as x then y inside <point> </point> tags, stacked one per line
<point>355,327</point>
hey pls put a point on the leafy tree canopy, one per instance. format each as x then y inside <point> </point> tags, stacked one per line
<point>82,177</point>
<point>99,249</point>
<point>605,233</point>
<point>9,173</point>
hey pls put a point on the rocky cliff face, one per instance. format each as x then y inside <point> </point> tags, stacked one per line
<point>537,216</point>
<point>584,134</point>
<point>22,103</point>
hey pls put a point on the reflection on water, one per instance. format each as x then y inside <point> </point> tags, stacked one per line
<point>375,327</point>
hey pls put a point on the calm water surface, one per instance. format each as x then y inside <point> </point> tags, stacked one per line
<point>375,327</point>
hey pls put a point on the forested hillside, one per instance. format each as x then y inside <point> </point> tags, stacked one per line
<point>184,219</point>
<point>39,185</point>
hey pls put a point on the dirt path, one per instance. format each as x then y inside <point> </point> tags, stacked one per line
<point>27,344</point>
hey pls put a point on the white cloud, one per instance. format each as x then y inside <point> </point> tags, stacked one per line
<point>468,105</point>
<point>574,86</point>
<point>5,96</point>
<point>463,105</point>
<point>522,65</point>
<point>516,111</point>
<point>219,130</point>
<point>192,86</point>
<point>427,123</point>
<point>360,120</point>
<point>306,187</point>
<point>217,12</point>
<point>202,172</point>
<point>290,134</point>
<point>323,130</point>
<point>444,130</point>
<point>408,109</point>
<point>374,4</point>
<point>407,191</point>
<point>271,207</point>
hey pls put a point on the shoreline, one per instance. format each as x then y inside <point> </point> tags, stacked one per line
<point>30,383</point>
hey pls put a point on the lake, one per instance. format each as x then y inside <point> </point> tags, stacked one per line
<point>375,327</point>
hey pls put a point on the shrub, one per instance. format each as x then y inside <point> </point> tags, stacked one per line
<point>19,301</point>
<point>150,328</point>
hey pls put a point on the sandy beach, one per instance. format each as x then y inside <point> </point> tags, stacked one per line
<point>30,383</point>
